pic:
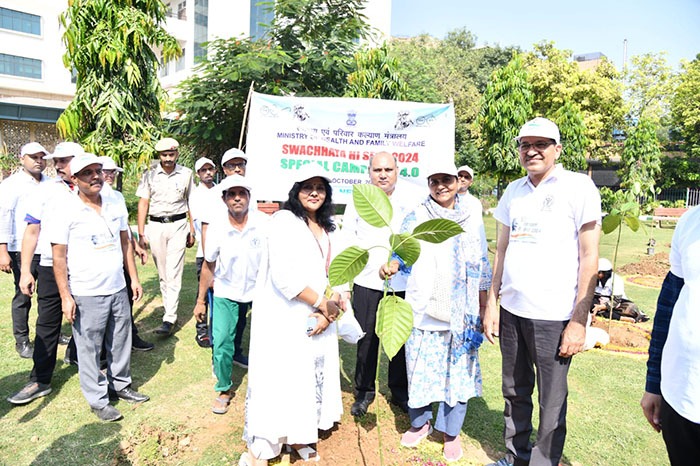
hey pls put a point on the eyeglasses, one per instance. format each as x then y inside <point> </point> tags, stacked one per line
<point>465,175</point>
<point>309,188</point>
<point>233,165</point>
<point>539,146</point>
<point>444,180</point>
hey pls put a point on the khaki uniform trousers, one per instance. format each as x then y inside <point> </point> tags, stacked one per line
<point>168,244</point>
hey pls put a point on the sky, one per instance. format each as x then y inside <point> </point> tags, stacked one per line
<point>580,26</point>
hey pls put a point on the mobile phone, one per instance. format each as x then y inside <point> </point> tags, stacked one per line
<point>310,324</point>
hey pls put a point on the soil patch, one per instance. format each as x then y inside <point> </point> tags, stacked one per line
<point>656,266</point>
<point>625,337</point>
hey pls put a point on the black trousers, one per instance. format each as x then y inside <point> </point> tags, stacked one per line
<point>48,326</point>
<point>682,437</point>
<point>529,349</point>
<point>365,302</point>
<point>21,303</point>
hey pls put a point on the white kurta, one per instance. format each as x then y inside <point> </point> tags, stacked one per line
<point>283,371</point>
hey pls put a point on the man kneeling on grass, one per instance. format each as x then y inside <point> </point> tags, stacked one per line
<point>232,257</point>
<point>91,249</point>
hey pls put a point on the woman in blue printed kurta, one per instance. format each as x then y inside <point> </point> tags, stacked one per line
<point>446,287</point>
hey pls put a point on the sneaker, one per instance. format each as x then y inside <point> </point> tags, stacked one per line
<point>29,392</point>
<point>138,344</point>
<point>412,437</point>
<point>240,361</point>
<point>63,339</point>
<point>107,414</point>
<point>165,329</point>
<point>501,462</point>
<point>203,340</point>
<point>24,349</point>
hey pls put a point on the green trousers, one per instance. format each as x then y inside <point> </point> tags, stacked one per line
<point>224,320</point>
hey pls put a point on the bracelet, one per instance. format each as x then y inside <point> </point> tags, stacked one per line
<point>318,302</point>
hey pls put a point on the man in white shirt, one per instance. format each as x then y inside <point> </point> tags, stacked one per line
<point>465,176</point>
<point>545,271</point>
<point>670,401</point>
<point>15,192</point>
<point>91,248</point>
<point>368,288</point>
<point>232,254</point>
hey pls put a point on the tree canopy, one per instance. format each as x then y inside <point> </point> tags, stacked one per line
<point>116,108</point>
<point>685,106</point>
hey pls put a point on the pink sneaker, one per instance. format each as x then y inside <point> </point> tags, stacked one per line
<point>412,437</point>
<point>452,451</point>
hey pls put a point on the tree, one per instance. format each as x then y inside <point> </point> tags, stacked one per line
<point>641,158</point>
<point>685,106</point>
<point>556,80</point>
<point>650,82</point>
<point>574,141</point>
<point>376,76</point>
<point>116,108</point>
<point>308,50</point>
<point>505,107</point>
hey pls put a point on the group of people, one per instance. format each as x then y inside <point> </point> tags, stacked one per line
<point>277,268</point>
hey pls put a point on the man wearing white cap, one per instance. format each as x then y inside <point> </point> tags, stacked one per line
<point>91,248</point>
<point>232,253</point>
<point>466,178</point>
<point>164,193</point>
<point>15,192</point>
<point>199,204</point>
<point>549,227</point>
<point>48,323</point>
<point>110,171</point>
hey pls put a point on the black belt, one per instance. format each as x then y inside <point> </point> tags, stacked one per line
<point>167,219</point>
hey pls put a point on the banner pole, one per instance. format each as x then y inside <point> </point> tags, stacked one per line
<point>245,114</point>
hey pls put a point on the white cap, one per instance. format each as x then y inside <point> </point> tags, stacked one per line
<point>310,170</point>
<point>83,160</point>
<point>109,164</point>
<point>32,148</point>
<point>232,154</point>
<point>65,149</point>
<point>466,168</point>
<point>442,167</point>
<point>233,181</point>
<point>541,127</point>
<point>202,162</point>
<point>167,144</point>
<point>604,265</point>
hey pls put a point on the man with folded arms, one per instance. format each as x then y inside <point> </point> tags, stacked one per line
<point>164,193</point>
<point>91,247</point>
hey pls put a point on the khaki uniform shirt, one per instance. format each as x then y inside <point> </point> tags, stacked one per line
<point>168,194</point>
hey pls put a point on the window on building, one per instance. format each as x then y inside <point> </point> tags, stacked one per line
<point>201,28</point>
<point>180,63</point>
<point>163,66</point>
<point>19,21</point>
<point>20,66</point>
<point>182,11</point>
<point>261,15</point>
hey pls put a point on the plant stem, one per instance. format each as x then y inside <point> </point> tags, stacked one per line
<point>612,283</point>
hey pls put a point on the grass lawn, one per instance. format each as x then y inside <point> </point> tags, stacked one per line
<point>606,426</point>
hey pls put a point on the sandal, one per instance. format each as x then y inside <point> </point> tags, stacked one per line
<point>222,403</point>
<point>305,452</point>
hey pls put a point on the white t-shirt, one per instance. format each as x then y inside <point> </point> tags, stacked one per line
<point>540,269</point>
<point>44,201</point>
<point>680,360</point>
<point>237,255</point>
<point>94,251</point>
<point>357,232</point>
<point>15,195</point>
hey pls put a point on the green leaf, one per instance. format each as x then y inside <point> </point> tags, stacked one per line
<point>610,223</point>
<point>407,247</point>
<point>347,265</point>
<point>394,323</point>
<point>437,230</point>
<point>372,205</point>
<point>633,223</point>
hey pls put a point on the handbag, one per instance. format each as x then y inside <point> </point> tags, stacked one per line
<point>348,327</point>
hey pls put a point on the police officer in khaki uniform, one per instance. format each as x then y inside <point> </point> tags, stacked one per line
<point>164,191</point>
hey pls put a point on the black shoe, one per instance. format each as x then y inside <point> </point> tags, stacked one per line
<point>24,349</point>
<point>107,414</point>
<point>359,407</point>
<point>240,361</point>
<point>401,404</point>
<point>29,392</point>
<point>203,340</point>
<point>70,358</point>
<point>63,339</point>
<point>165,329</point>
<point>128,394</point>
<point>138,344</point>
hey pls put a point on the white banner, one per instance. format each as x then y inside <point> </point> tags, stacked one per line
<point>341,134</point>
